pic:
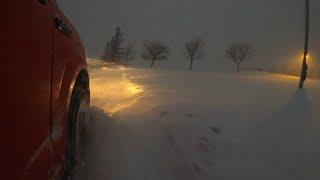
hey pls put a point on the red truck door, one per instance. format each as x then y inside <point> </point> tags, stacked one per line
<point>25,86</point>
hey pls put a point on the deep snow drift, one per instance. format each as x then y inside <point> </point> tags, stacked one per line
<point>175,125</point>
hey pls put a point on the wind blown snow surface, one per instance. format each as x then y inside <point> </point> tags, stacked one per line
<point>176,125</point>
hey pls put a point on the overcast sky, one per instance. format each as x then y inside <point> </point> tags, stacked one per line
<point>274,27</point>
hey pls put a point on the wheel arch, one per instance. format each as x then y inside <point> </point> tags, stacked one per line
<point>82,81</point>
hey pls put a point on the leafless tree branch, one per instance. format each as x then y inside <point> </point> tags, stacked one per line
<point>154,51</point>
<point>239,52</point>
<point>128,53</point>
<point>193,50</point>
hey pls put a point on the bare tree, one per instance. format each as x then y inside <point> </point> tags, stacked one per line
<point>154,51</point>
<point>128,53</point>
<point>193,50</point>
<point>238,53</point>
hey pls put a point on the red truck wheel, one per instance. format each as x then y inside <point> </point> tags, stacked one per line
<point>79,116</point>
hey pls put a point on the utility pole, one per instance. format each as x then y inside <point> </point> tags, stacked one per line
<point>304,69</point>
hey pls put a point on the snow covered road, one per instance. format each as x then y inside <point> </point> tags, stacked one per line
<point>172,125</point>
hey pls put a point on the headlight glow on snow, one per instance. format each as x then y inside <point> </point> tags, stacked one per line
<point>111,93</point>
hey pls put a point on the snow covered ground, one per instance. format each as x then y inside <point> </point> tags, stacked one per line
<point>175,125</point>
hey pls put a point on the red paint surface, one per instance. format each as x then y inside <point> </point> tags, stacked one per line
<point>39,66</point>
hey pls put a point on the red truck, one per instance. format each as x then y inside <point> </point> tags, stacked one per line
<point>44,88</point>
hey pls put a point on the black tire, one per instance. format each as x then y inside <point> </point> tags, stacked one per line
<point>73,155</point>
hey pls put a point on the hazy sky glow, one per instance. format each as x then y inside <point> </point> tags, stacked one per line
<point>274,27</point>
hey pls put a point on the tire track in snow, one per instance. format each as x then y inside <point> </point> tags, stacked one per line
<point>185,165</point>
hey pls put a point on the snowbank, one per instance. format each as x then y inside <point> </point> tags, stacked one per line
<point>172,125</point>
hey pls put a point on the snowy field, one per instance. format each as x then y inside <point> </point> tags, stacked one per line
<point>176,125</point>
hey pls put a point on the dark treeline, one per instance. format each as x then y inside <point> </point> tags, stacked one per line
<point>118,50</point>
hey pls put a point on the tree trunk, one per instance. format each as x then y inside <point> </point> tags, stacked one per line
<point>191,64</point>
<point>152,64</point>
<point>238,67</point>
